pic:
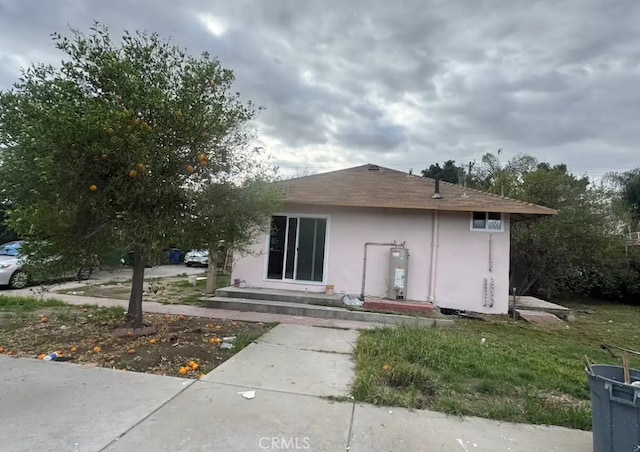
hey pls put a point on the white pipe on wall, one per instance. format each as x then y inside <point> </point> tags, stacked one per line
<point>434,257</point>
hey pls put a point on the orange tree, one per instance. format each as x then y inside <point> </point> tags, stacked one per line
<point>106,150</point>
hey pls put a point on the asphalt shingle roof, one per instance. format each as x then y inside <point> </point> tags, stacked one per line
<point>375,186</point>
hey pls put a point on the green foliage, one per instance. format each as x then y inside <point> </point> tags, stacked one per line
<point>26,304</point>
<point>234,212</point>
<point>576,251</point>
<point>106,151</point>
<point>6,234</point>
<point>449,172</point>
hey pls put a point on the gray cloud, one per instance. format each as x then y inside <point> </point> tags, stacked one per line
<point>402,83</point>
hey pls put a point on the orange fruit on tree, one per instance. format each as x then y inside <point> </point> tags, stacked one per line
<point>153,341</point>
<point>93,187</point>
<point>131,351</point>
<point>44,319</point>
<point>386,367</point>
<point>194,366</point>
<point>74,349</point>
<point>97,349</point>
<point>133,173</point>
<point>191,363</point>
<point>183,371</point>
<point>190,169</point>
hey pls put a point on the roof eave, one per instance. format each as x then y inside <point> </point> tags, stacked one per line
<point>532,210</point>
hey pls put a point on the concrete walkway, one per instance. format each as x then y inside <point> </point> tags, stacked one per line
<point>293,370</point>
<point>197,311</point>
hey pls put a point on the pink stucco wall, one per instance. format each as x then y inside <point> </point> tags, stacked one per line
<point>462,256</point>
<point>463,264</point>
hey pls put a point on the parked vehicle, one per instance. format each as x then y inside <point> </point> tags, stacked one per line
<point>197,258</point>
<point>12,267</point>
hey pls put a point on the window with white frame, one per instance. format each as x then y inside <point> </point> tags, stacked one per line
<point>486,221</point>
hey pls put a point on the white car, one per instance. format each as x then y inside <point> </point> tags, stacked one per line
<point>12,273</point>
<point>197,257</point>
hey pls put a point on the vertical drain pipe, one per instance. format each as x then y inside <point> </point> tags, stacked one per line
<point>434,256</point>
<point>434,244</point>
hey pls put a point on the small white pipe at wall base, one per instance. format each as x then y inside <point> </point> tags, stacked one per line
<point>434,257</point>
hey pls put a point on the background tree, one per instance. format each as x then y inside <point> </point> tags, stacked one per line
<point>627,194</point>
<point>107,149</point>
<point>503,179</point>
<point>449,172</point>
<point>577,251</point>
<point>6,234</point>
<point>232,208</point>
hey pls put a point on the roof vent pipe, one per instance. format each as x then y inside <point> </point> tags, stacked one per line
<point>436,191</point>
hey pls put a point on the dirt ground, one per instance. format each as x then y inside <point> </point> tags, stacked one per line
<point>172,290</point>
<point>85,335</point>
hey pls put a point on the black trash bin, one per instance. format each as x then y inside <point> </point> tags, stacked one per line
<point>615,409</point>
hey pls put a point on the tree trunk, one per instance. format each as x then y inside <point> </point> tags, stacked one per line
<point>212,272</point>
<point>134,313</point>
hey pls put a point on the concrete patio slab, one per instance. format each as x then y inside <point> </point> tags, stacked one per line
<point>536,304</point>
<point>398,430</point>
<point>213,417</point>
<point>540,318</point>
<point>65,407</point>
<point>279,368</point>
<point>306,338</point>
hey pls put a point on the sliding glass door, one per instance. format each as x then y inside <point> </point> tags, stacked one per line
<point>297,248</point>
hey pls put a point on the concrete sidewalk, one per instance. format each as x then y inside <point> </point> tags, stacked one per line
<point>293,368</point>
<point>197,311</point>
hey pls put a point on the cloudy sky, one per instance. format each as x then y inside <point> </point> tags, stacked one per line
<point>402,84</point>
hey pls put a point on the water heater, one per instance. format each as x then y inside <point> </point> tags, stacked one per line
<point>398,267</point>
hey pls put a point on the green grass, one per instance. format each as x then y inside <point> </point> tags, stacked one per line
<point>520,373</point>
<point>186,293</point>
<point>26,304</point>
<point>247,336</point>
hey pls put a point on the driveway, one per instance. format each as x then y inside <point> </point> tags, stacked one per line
<point>301,377</point>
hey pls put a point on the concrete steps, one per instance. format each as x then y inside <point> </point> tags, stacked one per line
<point>289,296</point>
<point>303,309</point>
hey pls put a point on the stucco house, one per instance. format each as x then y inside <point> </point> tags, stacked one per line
<point>379,232</point>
